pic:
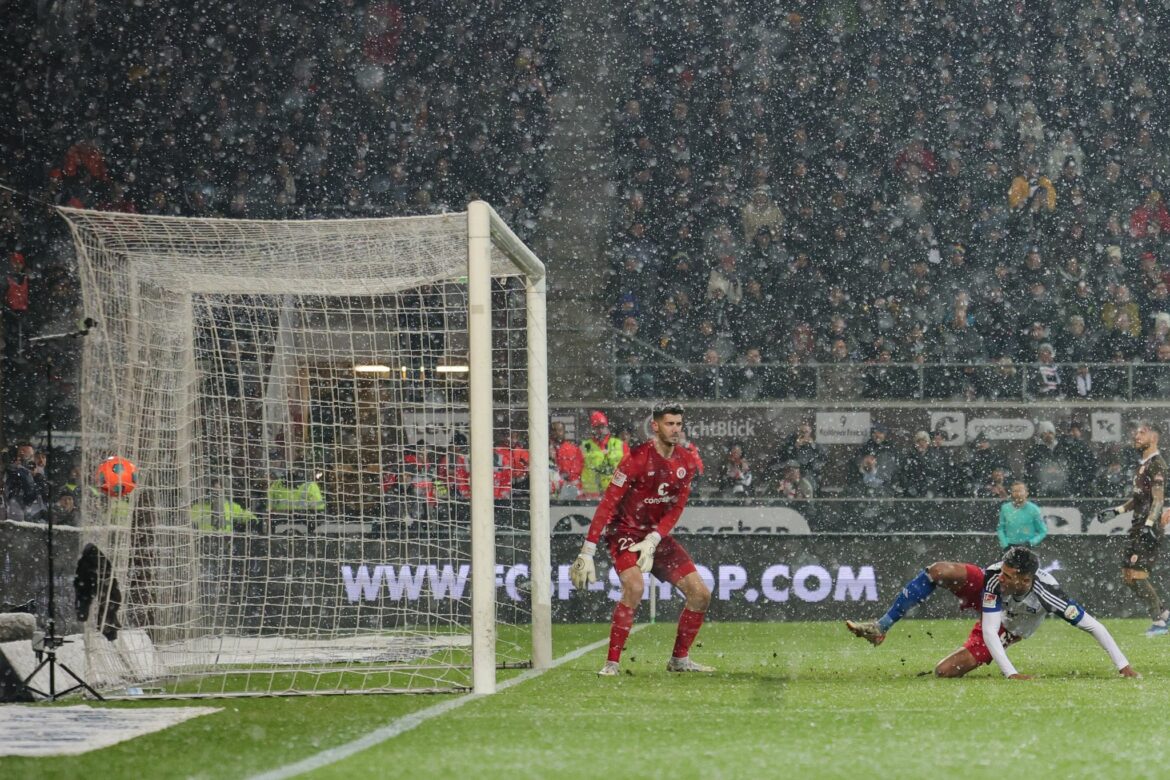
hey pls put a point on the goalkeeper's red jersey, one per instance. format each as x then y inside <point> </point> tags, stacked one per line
<point>648,493</point>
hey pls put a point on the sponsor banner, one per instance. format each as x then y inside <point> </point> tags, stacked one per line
<point>774,578</point>
<point>574,519</point>
<point>849,516</point>
<point>838,427</point>
<point>763,428</point>
<point>953,426</point>
<point>1106,427</point>
<point>1001,428</point>
<point>335,584</point>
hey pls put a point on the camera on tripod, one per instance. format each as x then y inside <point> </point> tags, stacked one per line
<point>42,642</point>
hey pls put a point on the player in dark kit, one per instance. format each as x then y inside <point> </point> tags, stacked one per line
<point>1145,535</point>
<point>1013,597</point>
<point>640,507</point>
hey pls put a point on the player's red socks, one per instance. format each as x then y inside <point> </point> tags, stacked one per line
<point>619,630</point>
<point>689,623</point>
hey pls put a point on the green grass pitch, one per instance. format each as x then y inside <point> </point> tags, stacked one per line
<point>800,700</point>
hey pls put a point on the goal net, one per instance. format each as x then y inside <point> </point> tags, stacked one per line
<point>340,433</point>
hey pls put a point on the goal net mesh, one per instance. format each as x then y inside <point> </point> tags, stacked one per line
<point>295,398</point>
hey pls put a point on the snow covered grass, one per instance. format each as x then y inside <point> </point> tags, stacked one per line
<point>789,699</point>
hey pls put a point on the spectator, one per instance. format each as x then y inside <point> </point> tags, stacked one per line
<point>884,379</point>
<point>801,447</point>
<point>752,379</point>
<point>883,450</point>
<point>984,460</point>
<point>1065,150</point>
<point>567,459</point>
<point>1152,212</point>
<point>1121,304</point>
<point>1077,344</point>
<point>710,379</point>
<point>995,485</point>
<point>1047,468</point>
<point>65,512</point>
<point>725,283</point>
<point>839,373</point>
<point>1121,342</point>
<point>1083,387</point>
<point>921,468</point>
<point>1158,335</point>
<point>761,213</point>
<point>792,485</point>
<point>1044,380</point>
<point>1003,382</point>
<point>16,304</point>
<point>1020,521</point>
<point>953,469</point>
<point>23,496</point>
<point>602,453</point>
<point>1031,190</point>
<point>1080,459</point>
<point>1112,480</point>
<point>735,474</point>
<point>1153,379</point>
<point>867,480</point>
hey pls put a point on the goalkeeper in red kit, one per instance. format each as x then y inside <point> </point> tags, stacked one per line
<point>637,512</point>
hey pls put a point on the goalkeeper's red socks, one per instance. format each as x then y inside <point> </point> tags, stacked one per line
<point>689,623</point>
<point>619,630</point>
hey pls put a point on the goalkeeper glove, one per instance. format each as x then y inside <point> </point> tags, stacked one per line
<point>645,550</point>
<point>583,572</point>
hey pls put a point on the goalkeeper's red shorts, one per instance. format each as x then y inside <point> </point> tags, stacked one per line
<point>971,594</point>
<point>671,560</point>
<point>975,645</point>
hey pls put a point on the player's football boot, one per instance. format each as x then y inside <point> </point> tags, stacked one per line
<point>609,670</point>
<point>869,630</point>
<point>1157,630</point>
<point>685,664</point>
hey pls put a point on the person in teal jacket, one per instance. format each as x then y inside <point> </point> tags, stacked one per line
<point>1020,521</point>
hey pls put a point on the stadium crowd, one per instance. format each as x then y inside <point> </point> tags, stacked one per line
<point>816,201</point>
<point>210,108</point>
<point>873,199</point>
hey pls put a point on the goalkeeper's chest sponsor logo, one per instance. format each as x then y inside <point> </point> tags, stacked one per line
<point>663,497</point>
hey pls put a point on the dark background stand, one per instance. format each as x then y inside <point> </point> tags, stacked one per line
<point>47,651</point>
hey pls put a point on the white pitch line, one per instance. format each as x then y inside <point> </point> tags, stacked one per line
<point>408,722</point>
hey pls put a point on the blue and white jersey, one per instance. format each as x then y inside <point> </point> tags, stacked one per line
<point>1022,615</point>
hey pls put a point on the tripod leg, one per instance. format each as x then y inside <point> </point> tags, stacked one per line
<point>53,694</point>
<point>27,683</point>
<point>80,684</point>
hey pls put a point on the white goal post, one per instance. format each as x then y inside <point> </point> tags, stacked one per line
<point>340,430</point>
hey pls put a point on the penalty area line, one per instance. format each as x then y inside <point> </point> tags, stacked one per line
<point>408,722</point>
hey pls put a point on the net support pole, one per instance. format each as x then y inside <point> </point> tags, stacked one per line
<point>538,511</point>
<point>483,537</point>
